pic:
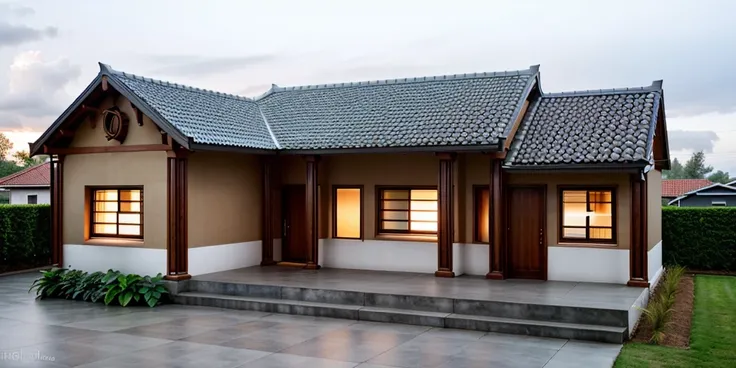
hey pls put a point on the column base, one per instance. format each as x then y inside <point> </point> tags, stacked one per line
<point>638,283</point>
<point>312,266</point>
<point>495,275</point>
<point>268,262</point>
<point>178,277</point>
<point>444,273</point>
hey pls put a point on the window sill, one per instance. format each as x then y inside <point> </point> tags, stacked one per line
<point>407,237</point>
<point>118,242</point>
<point>570,244</point>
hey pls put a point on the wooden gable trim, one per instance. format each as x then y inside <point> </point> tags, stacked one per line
<point>510,138</point>
<point>105,149</point>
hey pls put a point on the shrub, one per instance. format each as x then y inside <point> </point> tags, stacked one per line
<point>110,287</point>
<point>25,235</point>
<point>699,238</point>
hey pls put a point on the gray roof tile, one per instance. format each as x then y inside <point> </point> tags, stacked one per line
<point>455,111</point>
<point>606,126</point>
<point>205,116</point>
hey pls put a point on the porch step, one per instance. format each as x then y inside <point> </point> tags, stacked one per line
<point>407,316</point>
<point>500,309</point>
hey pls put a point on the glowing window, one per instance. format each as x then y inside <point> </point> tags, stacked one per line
<point>407,210</point>
<point>482,213</point>
<point>347,212</point>
<point>588,215</point>
<point>117,213</point>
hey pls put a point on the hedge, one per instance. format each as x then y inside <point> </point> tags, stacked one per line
<point>699,238</point>
<point>25,235</point>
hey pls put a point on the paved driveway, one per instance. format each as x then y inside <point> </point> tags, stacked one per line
<point>60,333</point>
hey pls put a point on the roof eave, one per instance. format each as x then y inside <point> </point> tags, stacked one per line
<point>625,166</point>
<point>232,149</point>
<point>497,147</point>
<point>533,80</point>
<point>15,186</point>
<point>36,146</point>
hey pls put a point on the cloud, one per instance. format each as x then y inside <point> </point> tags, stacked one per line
<point>192,65</point>
<point>13,35</point>
<point>8,9</point>
<point>35,90</point>
<point>692,140</point>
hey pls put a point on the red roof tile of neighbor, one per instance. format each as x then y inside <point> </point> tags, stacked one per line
<point>678,187</point>
<point>32,176</point>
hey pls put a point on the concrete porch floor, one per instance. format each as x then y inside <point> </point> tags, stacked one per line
<point>557,293</point>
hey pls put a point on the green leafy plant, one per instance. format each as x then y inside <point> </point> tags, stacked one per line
<point>91,287</point>
<point>152,289</point>
<point>48,285</point>
<point>120,287</point>
<point>659,315</point>
<point>69,283</point>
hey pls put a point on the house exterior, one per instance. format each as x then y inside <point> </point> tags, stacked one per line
<point>478,174</point>
<point>714,195</point>
<point>29,186</point>
<point>673,188</point>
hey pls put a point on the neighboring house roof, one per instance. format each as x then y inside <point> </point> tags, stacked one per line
<point>678,187</point>
<point>607,126</point>
<point>725,191</point>
<point>34,176</point>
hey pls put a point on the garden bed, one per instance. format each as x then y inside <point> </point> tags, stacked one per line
<point>677,333</point>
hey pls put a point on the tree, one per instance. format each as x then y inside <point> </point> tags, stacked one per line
<point>24,159</point>
<point>675,171</point>
<point>695,167</point>
<point>8,167</point>
<point>5,146</point>
<point>719,177</point>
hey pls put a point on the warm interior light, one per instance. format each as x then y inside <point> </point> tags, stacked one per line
<point>117,212</point>
<point>592,210</point>
<point>483,215</point>
<point>347,212</point>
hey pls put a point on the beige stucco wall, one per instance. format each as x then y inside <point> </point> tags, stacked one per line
<point>86,136</point>
<point>654,207</point>
<point>224,198</point>
<point>553,180</point>
<point>147,169</point>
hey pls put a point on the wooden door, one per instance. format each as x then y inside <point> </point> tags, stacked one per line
<point>527,245</point>
<point>294,209</point>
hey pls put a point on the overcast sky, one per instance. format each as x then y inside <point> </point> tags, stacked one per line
<point>49,51</point>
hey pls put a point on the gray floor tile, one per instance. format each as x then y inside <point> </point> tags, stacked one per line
<point>577,354</point>
<point>501,355</point>
<point>541,342</point>
<point>349,345</point>
<point>295,361</point>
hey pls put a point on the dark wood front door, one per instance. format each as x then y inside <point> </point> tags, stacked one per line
<point>294,209</point>
<point>527,244</point>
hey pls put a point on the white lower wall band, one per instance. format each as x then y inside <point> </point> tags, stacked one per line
<point>588,264</point>
<point>91,258</point>
<point>215,258</point>
<point>654,260</point>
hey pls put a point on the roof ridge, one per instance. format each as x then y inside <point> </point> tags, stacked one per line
<point>106,69</point>
<point>530,71</point>
<point>22,172</point>
<point>656,86</point>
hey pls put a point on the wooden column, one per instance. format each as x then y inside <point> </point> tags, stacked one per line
<point>445,223</point>
<point>57,210</point>
<point>177,247</point>
<point>497,225</point>
<point>267,213</point>
<point>638,252</point>
<point>312,215</point>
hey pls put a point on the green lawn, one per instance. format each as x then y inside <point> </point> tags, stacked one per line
<point>713,335</point>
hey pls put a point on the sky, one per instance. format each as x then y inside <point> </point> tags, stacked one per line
<point>49,51</point>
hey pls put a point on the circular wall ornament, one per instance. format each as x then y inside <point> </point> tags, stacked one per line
<point>115,124</point>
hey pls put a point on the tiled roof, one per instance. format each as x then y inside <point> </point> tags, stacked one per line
<point>207,117</point>
<point>678,187</point>
<point>608,126</point>
<point>446,111</point>
<point>454,110</point>
<point>33,176</point>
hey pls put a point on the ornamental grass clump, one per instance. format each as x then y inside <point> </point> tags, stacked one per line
<point>661,307</point>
